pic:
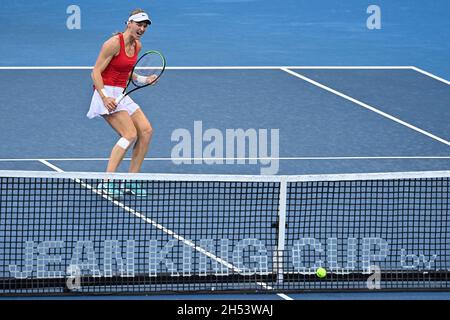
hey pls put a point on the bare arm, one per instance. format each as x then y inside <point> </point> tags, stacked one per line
<point>138,48</point>
<point>109,49</point>
<point>141,79</point>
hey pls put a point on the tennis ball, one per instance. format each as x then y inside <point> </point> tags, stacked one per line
<point>321,272</point>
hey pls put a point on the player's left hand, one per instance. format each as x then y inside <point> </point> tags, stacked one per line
<point>152,79</point>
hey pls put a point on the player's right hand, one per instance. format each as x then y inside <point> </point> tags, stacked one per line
<point>110,103</point>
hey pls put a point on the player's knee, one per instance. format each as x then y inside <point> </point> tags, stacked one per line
<point>131,134</point>
<point>123,143</point>
<point>127,140</point>
<point>147,131</point>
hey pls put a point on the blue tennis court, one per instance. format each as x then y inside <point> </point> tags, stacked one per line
<point>251,88</point>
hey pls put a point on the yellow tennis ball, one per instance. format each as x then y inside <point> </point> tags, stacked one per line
<point>321,272</point>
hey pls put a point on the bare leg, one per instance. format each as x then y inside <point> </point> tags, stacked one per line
<point>144,136</point>
<point>123,125</point>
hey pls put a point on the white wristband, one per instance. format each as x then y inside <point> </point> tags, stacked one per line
<point>141,79</point>
<point>104,92</point>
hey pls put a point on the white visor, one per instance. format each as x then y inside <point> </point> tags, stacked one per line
<point>139,17</point>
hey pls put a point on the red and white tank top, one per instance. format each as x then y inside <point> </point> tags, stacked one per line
<point>119,68</point>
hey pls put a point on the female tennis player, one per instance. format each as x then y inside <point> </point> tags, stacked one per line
<point>110,74</point>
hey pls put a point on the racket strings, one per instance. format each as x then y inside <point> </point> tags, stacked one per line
<point>150,64</point>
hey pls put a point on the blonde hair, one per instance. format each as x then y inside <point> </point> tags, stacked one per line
<point>135,11</point>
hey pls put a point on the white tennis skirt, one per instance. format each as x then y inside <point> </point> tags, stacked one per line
<point>98,109</point>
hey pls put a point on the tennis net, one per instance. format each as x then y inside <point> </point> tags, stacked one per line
<point>61,233</point>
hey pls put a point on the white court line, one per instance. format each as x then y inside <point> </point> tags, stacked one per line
<point>48,164</point>
<point>364,105</point>
<point>294,67</point>
<point>233,159</point>
<point>160,227</point>
<point>431,75</point>
<point>221,67</point>
<point>243,68</point>
<point>285,297</point>
<point>46,68</point>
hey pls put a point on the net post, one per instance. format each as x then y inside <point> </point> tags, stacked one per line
<point>281,229</point>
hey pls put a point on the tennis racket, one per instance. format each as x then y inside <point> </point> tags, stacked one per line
<point>147,70</point>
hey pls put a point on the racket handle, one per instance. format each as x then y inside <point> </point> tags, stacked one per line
<point>119,98</point>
